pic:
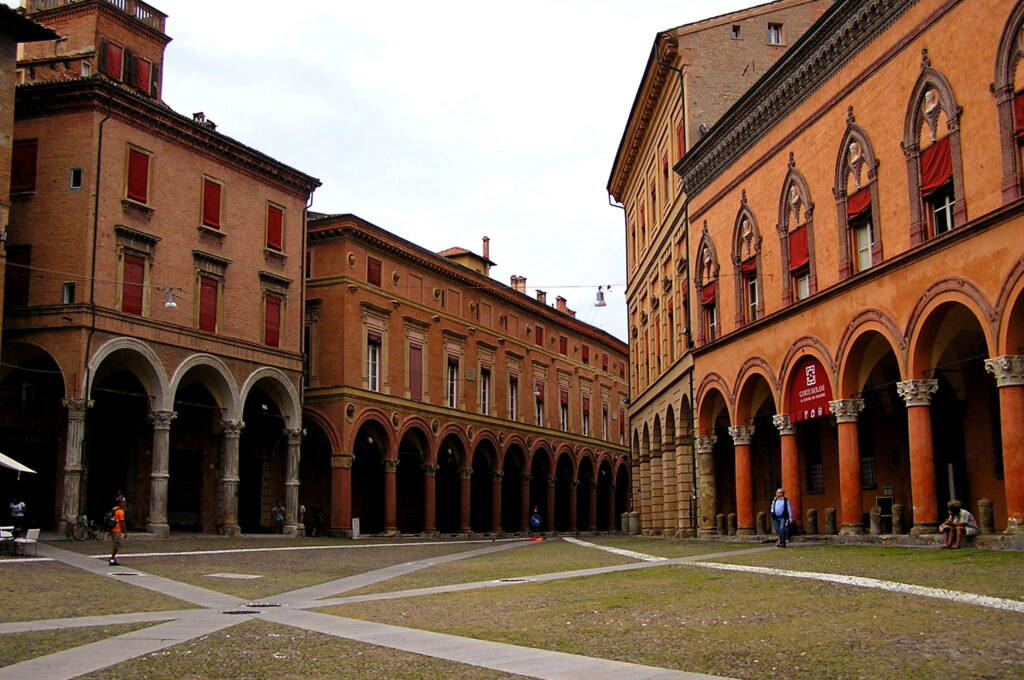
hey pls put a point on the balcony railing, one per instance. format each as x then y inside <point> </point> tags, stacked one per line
<point>136,8</point>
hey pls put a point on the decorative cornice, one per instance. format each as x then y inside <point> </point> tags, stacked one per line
<point>845,30</point>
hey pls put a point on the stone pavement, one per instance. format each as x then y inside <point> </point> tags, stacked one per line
<point>184,625</point>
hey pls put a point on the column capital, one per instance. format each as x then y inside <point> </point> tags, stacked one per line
<point>162,419</point>
<point>497,476</point>
<point>525,478</point>
<point>741,434</point>
<point>341,460</point>
<point>705,443</point>
<point>294,435</point>
<point>465,473</point>
<point>77,407</point>
<point>390,465</point>
<point>917,392</point>
<point>551,481</point>
<point>783,424</point>
<point>232,428</point>
<point>846,410</point>
<point>429,470</point>
<point>574,483</point>
<point>1008,370</point>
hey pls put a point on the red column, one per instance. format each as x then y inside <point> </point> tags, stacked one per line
<point>592,506</point>
<point>524,502</point>
<point>918,395</point>
<point>573,519</point>
<point>549,512</point>
<point>611,508</point>
<point>430,499</point>
<point>390,502</point>
<point>465,475</point>
<point>790,465</point>
<point>1009,373</point>
<point>341,493</point>
<point>496,502</point>
<point>744,486</point>
<point>851,503</point>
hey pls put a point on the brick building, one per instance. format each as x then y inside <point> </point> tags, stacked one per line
<point>154,291</point>
<point>858,275</point>
<point>694,74</point>
<point>443,401</point>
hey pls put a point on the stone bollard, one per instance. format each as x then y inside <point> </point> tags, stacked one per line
<point>812,521</point>
<point>625,523</point>
<point>899,519</point>
<point>876,521</point>
<point>634,523</point>
<point>762,527</point>
<point>830,521</point>
<point>720,522</point>
<point>985,523</point>
<point>731,518</point>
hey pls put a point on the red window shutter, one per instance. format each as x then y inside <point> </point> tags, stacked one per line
<point>657,335</point>
<point>272,322</point>
<point>16,281</point>
<point>275,228</point>
<point>586,404</point>
<point>643,216</point>
<point>143,75</point>
<point>114,60</point>
<point>680,140</point>
<point>208,304</point>
<point>604,362</point>
<point>373,271</point>
<point>211,203</point>
<point>936,167</point>
<point>1018,115</point>
<point>859,204</point>
<point>416,372</point>
<point>540,392</point>
<point>563,346</point>
<point>131,289</point>
<point>798,253</point>
<point>585,353</point>
<point>23,165</point>
<point>564,398</point>
<point>538,335</point>
<point>375,338</point>
<point>749,268</point>
<point>707,294</point>
<point>138,176</point>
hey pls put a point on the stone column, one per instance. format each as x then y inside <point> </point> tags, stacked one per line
<point>684,522</point>
<point>644,489</point>
<point>918,395</point>
<point>465,475</point>
<point>573,498</point>
<point>611,508</point>
<point>524,502</point>
<point>1009,373</point>
<point>706,496</point>
<point>496,478</point>
<point>670,507</point>
<point>341,493</point>
<point>292,522</point>
<point>429,498</point>
<point>592,506</point>
<point>549,516</point>
<point>790,464</point>
<point>741,435</point>
<point>390,496</point>
<point>851,502</point>
<point>159,472</point>
<point>231,430</point>
<point>657,513</point>
<point>71,507</point>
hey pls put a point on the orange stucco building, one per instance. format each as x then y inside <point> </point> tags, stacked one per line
<point>442,401</point>
<point>857,250</point>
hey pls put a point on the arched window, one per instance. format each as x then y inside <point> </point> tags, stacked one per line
<point>931,143</point>
<point>707,286</point>
<point>796,234</point>
<point>856,193</point>
<point>746,260</point>
<point>1008,87</point>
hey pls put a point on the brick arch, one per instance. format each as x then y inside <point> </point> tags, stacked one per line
<point>487,435</point>
<point>869,320</point>
<point>713,381</point>
<point>756,364</point>
<point>539,446</point>
<point>453,429</point>
<point>754,369</point>
<point>515,440</point>
<point>325,425</point>
<point>375,415</point>
<point>421,425</point>
<point>1008,54</point>
<point>1010,333</point>
<point>705,421</point>
<point>948,291</point>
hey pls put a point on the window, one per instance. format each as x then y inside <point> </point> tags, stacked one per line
<point>940,210</point>
<point>307,269</point>
<point>863,235</point>
<point>373,341</point>
<point>23,165</point>
<point>799,262</point>
<point>137,184</point>
<point>452,389</point>
<point>513,398</point>
<point>416,372</point>
<point>275,227</point>
<point>868,476</point>
<point>735,32</point>
<point>585,354</point>
<point>538,336</point>
<point>18,276</point>
<point>563,345</point>
<point>485,391</point>
<point>211,202</point>
<point>774,34</point>
<point>709,307</point>
<point>143,75</point>
<point>802,285</point>
<point>563,411</point>
<point>373,271</point>
<point>209,289</point>
<point>937,186</point>
<point>272,321</point>
<point>75,179</point>
<point>604,362</point>
<point>67,293</point>
<point>132,282</point>
<point>622,426</point>
<point>586,416</point>
<point>750,296</point>
<point>539,404</point>
<point>113,60</point>
<point>604,423</point>
<point>680,142</point>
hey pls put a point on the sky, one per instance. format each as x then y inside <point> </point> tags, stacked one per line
<point>442,122</point>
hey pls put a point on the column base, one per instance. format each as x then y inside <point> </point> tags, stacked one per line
<point>64,528</point>
<point>745,531</point>
<point>924,528</point>
<point>852,530</point>
<point>1014,528</point>
<point>230,530</point>
<point>161,529</point>
<point>706,532</point>
<point>294,530</point>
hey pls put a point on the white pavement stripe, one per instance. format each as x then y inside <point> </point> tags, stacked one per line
<point>90,621</point>
<point>864,582</point>
<point>617,551</point>
<point>24,560</point>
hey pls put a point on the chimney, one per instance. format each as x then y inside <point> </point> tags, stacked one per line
<point>487,247</point>
<point>560,305</point>
<point>542,296</point>
<point>518,283</point>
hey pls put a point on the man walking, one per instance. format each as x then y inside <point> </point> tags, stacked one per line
<point>782,516</point>
<point>118,532</point>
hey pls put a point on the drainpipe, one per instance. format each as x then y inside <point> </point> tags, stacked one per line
<point>92,270</point>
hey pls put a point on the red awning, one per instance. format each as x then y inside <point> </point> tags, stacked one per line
<point>707,294</point>
<point>1018,115</point>
<point>749,267</point>
<point>858,205</point>
<point>798,254</point>
<point>936,167</point>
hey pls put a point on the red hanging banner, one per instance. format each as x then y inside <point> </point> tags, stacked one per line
<point>810,391</point>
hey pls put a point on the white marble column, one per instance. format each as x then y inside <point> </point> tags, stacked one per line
<point>159,472</point>
<point>72,504</point>
<point>231,430</point>
<point>292,525</point>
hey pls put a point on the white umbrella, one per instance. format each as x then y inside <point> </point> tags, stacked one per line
<point>9,462</point>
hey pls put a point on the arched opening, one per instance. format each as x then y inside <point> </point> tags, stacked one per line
<point>409,484</point>
<point>756,406</point>
<point>512,510</point>
<point>584,519</point>
<point>369,449</point>
<point>315,478</point>
<point>449,485</point>
<point>540,471</point>
<point>563,484</point>
<point>623,493</point>
<point>193,457</point>
<point>605,503</point>
<point>262,461</point>
<point>481,491</point>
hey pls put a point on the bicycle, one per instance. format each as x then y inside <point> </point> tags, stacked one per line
<point>85,528</point>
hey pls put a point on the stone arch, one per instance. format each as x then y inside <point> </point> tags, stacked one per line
<point>756,365</point>
<point>869,320</point>
<point>454,430</point>
<point>1010,310</point>
<point>380,418</point>
<point>710,403</point>
<point>712,381</point>
<point>756,387</point>
<point>950,290</point>
<point>515,441</point>
<point>280,389</point>
<point>796,212</point>
<point>1004,87</point>
<point>142,361</point>
<point>216,378</point>
<point>423,425</point>
<point>856,168</point>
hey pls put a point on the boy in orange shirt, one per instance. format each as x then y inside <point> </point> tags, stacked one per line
<point>118,533</point>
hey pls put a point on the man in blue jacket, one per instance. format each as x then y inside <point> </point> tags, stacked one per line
<point>782,516</point>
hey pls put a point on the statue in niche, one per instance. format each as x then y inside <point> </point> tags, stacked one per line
<point>794,202</point>
<point>931,100</point>
<point>747,232</point>
<point>854,158</point>
<point>706,266</point>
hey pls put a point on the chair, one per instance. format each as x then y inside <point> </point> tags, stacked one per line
<point>31,538</point>
<point>7,539</point>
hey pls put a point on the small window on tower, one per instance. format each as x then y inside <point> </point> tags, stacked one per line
<point>75,179</point>
<point>774,34</point>
<point>735,32</point>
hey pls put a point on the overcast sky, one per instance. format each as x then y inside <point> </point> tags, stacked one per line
<point>442,122</point>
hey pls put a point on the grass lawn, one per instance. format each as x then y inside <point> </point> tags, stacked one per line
<point>49,590</point>
<point>257,650</point>
<point>986,572</point>
<point>732,624</point>
<point>535,558</point>
<point>20,647</point>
